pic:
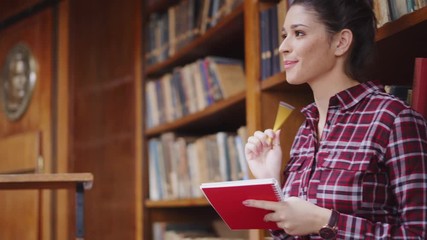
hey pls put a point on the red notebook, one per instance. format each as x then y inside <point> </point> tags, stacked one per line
<point>419,89</point>
<point>227,197</point>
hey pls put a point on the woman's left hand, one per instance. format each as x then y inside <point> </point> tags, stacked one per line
<point>295,215</point>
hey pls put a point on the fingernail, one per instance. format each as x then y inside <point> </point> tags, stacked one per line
<point>246,202</point>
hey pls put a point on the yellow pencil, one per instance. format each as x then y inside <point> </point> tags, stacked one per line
<point>283,112</point>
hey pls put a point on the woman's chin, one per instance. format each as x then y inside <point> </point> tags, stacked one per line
<point>293,81</point>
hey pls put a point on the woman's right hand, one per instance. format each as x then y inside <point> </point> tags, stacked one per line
<point>264,155</point>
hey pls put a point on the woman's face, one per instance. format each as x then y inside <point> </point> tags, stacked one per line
<point>307,49</point>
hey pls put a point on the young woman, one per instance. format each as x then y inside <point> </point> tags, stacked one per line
<point>358,166</point>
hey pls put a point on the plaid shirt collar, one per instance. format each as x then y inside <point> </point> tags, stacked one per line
<point>346,99</point>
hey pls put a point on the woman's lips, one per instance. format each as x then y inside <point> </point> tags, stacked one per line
<point>288,64</point>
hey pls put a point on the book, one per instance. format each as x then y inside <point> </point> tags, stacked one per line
<point>382,12</point>
<point>228,74</point>
<point>421,3</point>
<point>398,8</point>
<point>227,200</point>
<point>274,40</point>
<point>264,24</point>
<point>282,8</point>
<point>240,142</point>
<point>204,16</point>
<point>243,170</point>
<point>419,86</point>
<point>152,111</point>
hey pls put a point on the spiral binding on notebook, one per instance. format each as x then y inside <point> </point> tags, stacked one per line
<point>277,190</point>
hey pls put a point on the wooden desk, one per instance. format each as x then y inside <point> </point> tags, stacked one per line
<point>78,181</point>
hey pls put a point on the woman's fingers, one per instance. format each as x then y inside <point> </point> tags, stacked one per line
<point>250,150</point>
<point>260,141</point>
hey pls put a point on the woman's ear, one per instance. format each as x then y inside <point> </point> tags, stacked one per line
<point>343,41</point>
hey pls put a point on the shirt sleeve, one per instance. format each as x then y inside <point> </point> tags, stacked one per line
<point>406,161</point>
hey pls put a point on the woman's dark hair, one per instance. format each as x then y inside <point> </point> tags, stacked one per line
<point>359,18</point>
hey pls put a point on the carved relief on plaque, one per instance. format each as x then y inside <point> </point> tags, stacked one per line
<point>17,81</point>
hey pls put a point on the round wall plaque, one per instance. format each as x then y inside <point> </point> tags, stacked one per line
<point>17,81</point>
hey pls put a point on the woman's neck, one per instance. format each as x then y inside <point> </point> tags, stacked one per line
<point>323,90</point>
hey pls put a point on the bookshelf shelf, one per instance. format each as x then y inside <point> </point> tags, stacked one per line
<point>200,202</point>
<point>212,42</point>
<point>213,115</point>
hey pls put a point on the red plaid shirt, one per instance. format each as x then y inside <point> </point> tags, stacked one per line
<point>370,165</point>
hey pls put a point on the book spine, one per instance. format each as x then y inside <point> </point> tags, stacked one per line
<point>411,5</point>
<point>264,39</point>
<point>281,14</point>
<point>419,88</point>
<point>274,40</point>
<point>382,12</point>
<point>398,8</point>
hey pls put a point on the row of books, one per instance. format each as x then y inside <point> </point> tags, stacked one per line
<point>174,28</point>
<point>179,164</point>
<point>389,10</point>
<point>271,22</point>
<point>193,87</point>
<point>217,230</point>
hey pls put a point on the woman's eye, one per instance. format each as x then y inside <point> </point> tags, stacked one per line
<point>299,33</point>
<point>284,36</point>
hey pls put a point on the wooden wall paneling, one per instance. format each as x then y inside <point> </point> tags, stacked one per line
<point>19,153</point>
<point>36,32</point>
<point>19,214</point>
<point>23,149</point>
<point>65,198</point>
<point>102,112</point>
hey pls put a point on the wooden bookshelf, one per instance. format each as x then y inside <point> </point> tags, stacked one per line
<point>225,39</point>
<point>237,35</point>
